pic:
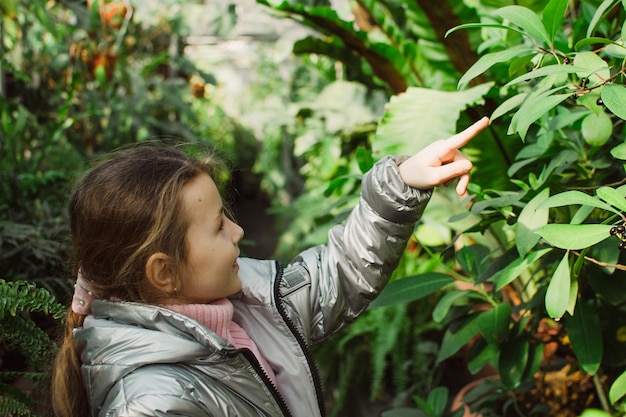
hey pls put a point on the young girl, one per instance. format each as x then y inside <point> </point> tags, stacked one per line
<point>167,320</point>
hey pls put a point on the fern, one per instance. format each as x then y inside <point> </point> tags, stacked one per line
<point>25,296</point>
<point>11,407</point>
<point>17,300</point>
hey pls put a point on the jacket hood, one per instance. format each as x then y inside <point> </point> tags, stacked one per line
<point>121,336</point>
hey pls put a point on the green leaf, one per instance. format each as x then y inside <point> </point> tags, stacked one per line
<point>613,197</point>
<point>614,98</point>
<point>568,198</point>
<point>534,109</point>
<point>411,288</point>
<point>585,334</point>
<point>600,14</point>
<point>557,295</point>
<point>597,128</point>
<point>438,400</point>
<point>443,306</point>
<point>619,152</point>
<point>531,218</point>
<point>574,236</point>
<point>508,105</point>
<point>434,114</point>
<point>526,19</point>
<point>591,412</point>
<point>512,362</point>
<point>453,341</point>
<point>594,68</point>
<point>480,26</point>
<point>553,17</point>
<point>507,274</point>
<point>545,71</point>
<point>618,388</point>
<point>494,323</point>
<point>487,61</point>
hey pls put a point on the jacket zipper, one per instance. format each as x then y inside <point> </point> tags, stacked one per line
<point>249,355</point>
<point>317,382</point>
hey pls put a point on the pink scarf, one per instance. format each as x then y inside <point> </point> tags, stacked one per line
<point>218,316</point>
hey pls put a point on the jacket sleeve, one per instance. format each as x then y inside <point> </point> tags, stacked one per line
<point>347,273</point>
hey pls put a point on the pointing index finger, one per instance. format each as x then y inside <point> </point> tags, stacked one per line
<point>462,138</point>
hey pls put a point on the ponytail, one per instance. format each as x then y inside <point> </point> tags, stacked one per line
<point>68,395</point>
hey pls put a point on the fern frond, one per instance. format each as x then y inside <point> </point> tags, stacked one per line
<point>11,407</point>
<point>25,296</point>
<point>27,338</point>
<point>391,324</point>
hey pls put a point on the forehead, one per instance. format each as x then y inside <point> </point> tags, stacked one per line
<point>201,193</point>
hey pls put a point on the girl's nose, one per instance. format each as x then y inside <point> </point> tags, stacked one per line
<point>237,233</point>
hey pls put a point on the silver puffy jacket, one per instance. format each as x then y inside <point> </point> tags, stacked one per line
<point>141,360</point>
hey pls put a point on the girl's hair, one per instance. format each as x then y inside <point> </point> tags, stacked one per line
<point>121,212</point>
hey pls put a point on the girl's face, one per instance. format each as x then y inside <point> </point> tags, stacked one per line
<point>212,240</point>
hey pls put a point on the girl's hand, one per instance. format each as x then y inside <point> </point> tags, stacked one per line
<point>441,161</point>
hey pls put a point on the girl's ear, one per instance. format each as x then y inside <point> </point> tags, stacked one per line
<point>159,273</point>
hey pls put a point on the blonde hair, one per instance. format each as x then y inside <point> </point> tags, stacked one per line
<point>122,211</point>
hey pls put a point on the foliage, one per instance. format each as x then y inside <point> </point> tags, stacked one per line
<point>18,301</point>
<point>534,259</point>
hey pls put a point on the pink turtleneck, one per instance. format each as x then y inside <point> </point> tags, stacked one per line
<point>218,316</point>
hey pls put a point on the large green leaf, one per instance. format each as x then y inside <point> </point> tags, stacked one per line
<point>568,198</point>
<point>488,60</point>
<point>411,288</point>
<point>553,17</point>
<point>574,236</point>
<point>526,19</point>
<point>421,116</point>
<point>531,218</point>
<point>614,98</point>
<point>600,14</point>
<point>506,275</point>
<point>453,341</point>
<point>494,323</point>
<point>618,388</point>
<point>513,361</point>
<point>558,293</point>
<point>613,197</point>
<point>585,334</point>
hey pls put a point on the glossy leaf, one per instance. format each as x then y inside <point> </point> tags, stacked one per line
<point>434,114</point>
<point>614,98</point>
<point>585,334</point>
<point>574,197</point>
<point>494,323</point>
<point>453,341</point>
<point>506,275</point>
<point>557,295</point>
<point>574,236</point>
<point>526,19</point>
<point>600,14</point>
<point>545,71</point>
<point>619,152</point>
<point>508,105</point>
<point>411,288</point>
<point>534,110</point>
<point>512,362</point>
<point>597,128</point>
<point>594,68</point>
<point>553,16</point>
<point>531,218</point>
<point>618,388</point>
<point>443,306</point>
<point>613,197</point>
<point>488,60</point>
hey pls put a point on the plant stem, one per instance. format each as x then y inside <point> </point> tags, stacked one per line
<point>601,394</point>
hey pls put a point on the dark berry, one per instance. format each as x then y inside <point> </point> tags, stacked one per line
<point>613,231</point>
<point>599,102</point>
<point>620,229</point>
<point>622,246</point>
<point>566,60</point>
<point>583,82</point>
